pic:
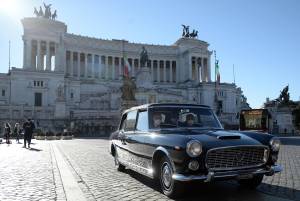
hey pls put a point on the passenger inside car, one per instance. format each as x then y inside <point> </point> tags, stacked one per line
<point>157,119</point>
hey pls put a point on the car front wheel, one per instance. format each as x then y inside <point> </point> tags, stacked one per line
<point>251,183</point>
<point>169,186</point>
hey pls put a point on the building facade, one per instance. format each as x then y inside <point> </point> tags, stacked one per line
<point>70,80</point>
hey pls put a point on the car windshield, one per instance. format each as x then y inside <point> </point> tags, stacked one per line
<point>182,117</point>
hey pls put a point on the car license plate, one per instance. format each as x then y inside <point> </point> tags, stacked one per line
<point>245,176</point>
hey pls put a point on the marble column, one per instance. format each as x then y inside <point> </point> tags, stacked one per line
<point>208,69</point>
<point>78,65</point>
<point>85,65</point>
<point>93,65</point>
<point>48,56</point>
<point>132,67</point>
<point>190,68</point>
<point>202,70</point>
<point>57,59</point>
<point>113,66</point>
<point>106,67</point>
<point>120,68</point>
<point>38,53</point>
<point>25,61</point>
<point>171,71</point>
<point>152,72</point>
<point>100,67</point>
<point>165,70</point>
<point>158,71</point>
<point>71,64</point>
<point>197,66</point>
<point>29,54</point>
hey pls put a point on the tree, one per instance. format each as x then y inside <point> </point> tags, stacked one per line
<point>296,114</point>
<point>284,97</point>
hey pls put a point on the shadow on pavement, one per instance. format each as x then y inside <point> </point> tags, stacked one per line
<point>224,190</point>
<point>34,149</point>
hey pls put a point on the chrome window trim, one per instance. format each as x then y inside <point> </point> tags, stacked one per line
<point>235,168</point>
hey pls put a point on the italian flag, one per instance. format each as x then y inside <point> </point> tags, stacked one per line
<point>217,72</point>
<point>127,67</point>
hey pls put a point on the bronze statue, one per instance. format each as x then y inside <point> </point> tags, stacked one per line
<point>185,31</point>
<point>194,34</point>
<point>144,57</point>
<point>128,89</point>
<point>54,15</point>
<point>36,12</point>
<point>41,13</point>
<point>47,11</point>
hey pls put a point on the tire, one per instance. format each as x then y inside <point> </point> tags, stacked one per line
<point>169,187</point>
<point>118,165</point>
<point>251,183</point>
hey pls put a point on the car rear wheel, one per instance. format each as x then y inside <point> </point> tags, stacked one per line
<point>118,165</point>
<point>251,183</point>
<point>169,186</point>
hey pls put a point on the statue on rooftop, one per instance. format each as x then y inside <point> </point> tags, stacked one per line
<point>185,31</point>
<point>47,11</point>
<point>41,13</point>
<point>54,15</point>
<point>144,57</point>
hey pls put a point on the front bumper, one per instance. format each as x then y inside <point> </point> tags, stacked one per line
<point>236,174</point>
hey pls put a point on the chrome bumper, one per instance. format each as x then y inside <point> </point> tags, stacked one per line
<point>228,174</point>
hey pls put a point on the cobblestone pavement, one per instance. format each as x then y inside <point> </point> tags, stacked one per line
<point>29,174</point>
<point>95,167</point>
<point>35,175</point>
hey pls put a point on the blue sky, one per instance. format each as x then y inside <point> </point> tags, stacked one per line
<point>261,38</point>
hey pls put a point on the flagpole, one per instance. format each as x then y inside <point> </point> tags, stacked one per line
<point>9,56</point>
<point>233,74</point>
<point>9,74</point>
<point>123,58</point>
<point>215,54</point>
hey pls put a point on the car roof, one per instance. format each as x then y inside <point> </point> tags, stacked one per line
<point>145,106</point>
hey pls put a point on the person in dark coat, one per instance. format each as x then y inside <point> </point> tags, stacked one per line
<point>7,131</point>
<point>28,127</point>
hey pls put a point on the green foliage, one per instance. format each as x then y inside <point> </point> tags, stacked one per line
<point>296,113</point>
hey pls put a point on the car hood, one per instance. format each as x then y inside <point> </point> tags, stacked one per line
<point>221,138</point>
<point>211,138</point>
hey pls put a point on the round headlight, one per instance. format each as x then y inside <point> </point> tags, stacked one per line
<point>194,148</point>
<point>275,144</point>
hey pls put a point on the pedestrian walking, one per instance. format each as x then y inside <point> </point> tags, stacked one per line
<point>17,131</point>
<point>28,127</point>
<point>7,130</point>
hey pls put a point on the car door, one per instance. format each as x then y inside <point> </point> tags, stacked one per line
<point>142,130</point>
<point>120,141</point>
<point>127,137</point>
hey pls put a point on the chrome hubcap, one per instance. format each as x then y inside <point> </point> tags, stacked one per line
<point>166,175</point>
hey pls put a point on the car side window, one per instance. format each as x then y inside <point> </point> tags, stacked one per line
<point>142,122</point>
<point>130,121</point>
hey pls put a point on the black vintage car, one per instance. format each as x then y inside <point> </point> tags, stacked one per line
<point>178,143</point>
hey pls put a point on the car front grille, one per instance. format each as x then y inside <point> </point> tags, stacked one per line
<point>235,157</point>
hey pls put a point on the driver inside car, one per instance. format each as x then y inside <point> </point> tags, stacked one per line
<point>190,120</point>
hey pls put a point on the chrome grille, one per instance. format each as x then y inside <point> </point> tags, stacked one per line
<point>235,157</point>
